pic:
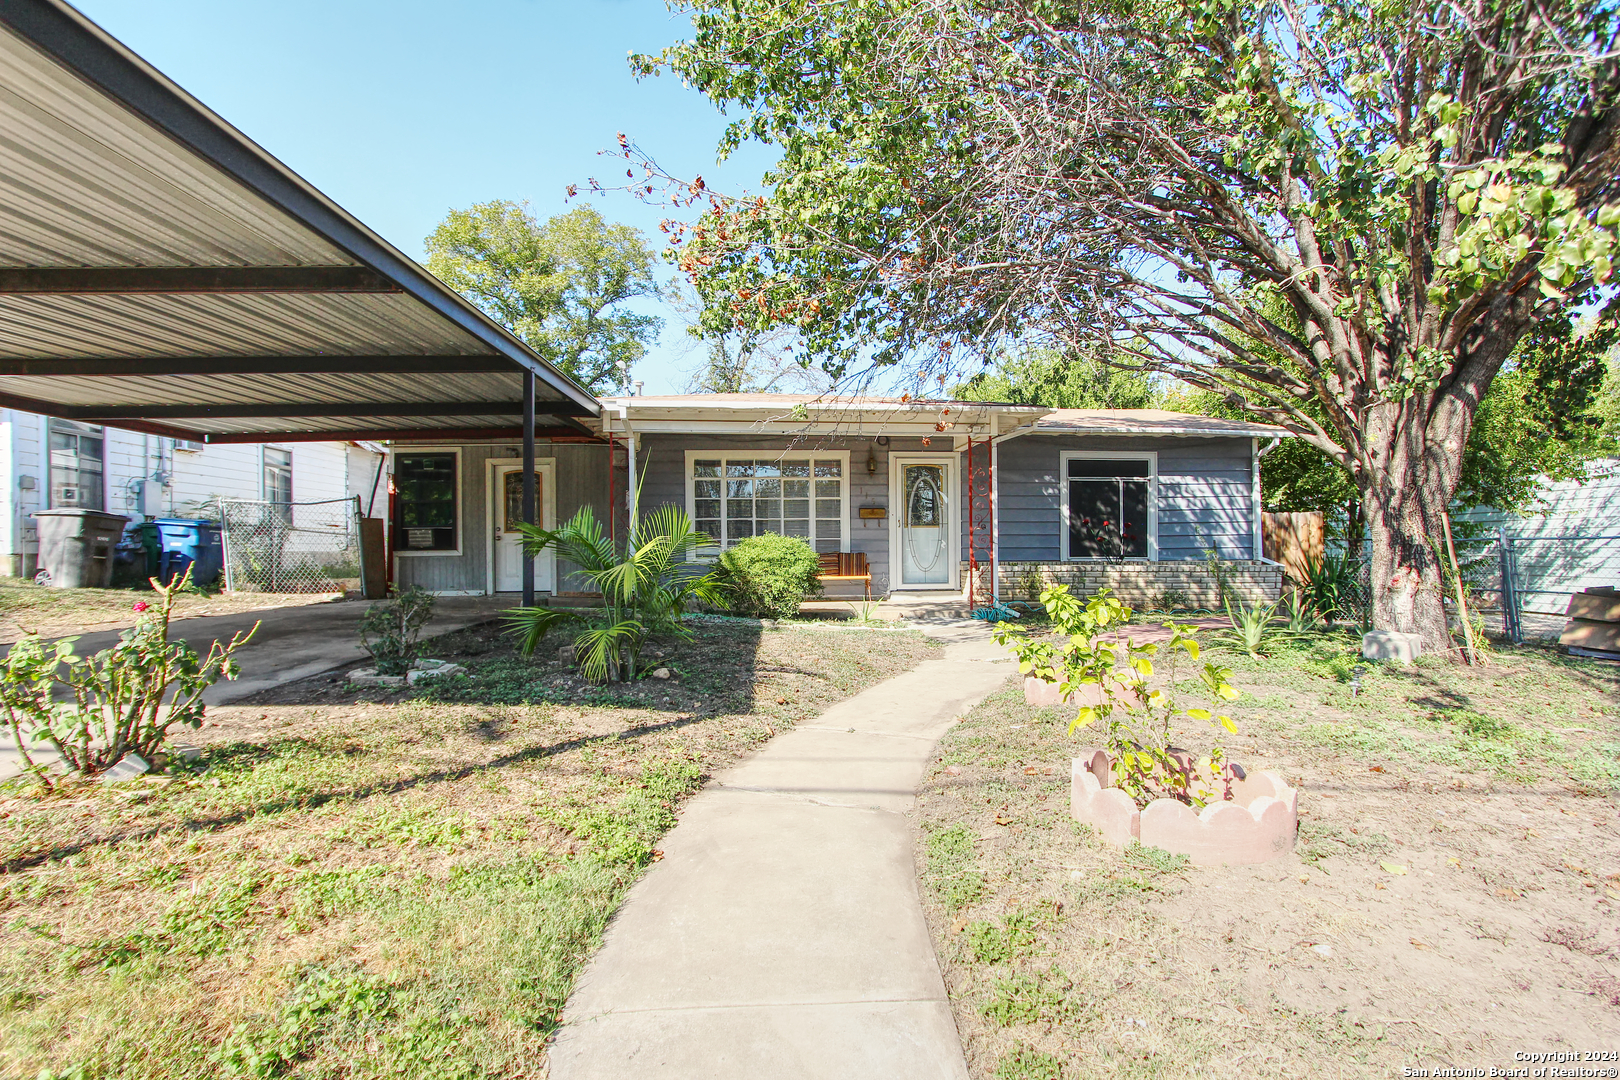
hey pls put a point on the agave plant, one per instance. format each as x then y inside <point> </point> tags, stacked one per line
<point>1251,623</point>
<point>647,584</point>
<point>1330,587</point>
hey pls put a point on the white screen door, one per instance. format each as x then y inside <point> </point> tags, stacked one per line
<point>508,555</point>
<point>925,524</point>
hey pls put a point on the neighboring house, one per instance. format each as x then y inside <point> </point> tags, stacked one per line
<point>1134,500</point>
<point>1569,543</point>
<point>143,476</point>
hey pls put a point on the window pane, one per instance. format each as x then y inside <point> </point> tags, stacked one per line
<point>739,489</point>
<point>89,448</point>
<point>426,504</point>
<point>767,468</point>
<point>829,489</point>
<point>1109,467</point>
<point>795,468</point>
<point>828,528</point>
<point>739,468</point>
<point>826,545</point>
<point>770,488</point>
<point>708,508</point>
<point>829,468</point>
<point>708,527</point>
<point>739,509</point>
<point>706,489</point>
<point>795,528</point>
<point>796,508</point>
<point>828,508</point>
<point>1093,519</point>
<point>1134,519</point>
<point>739,530</point>
<point>796,489</point>
<point>702,467</point>
<point>768,525</point>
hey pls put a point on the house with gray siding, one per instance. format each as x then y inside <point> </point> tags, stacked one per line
<point>979,498</point>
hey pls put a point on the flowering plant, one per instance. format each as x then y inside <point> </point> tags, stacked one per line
<point>122,700</point>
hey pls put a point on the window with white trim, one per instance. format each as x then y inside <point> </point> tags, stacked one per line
<point>1108,509</point>
<point>731,497</point>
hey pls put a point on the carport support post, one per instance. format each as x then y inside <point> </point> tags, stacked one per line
<point>528,480</point>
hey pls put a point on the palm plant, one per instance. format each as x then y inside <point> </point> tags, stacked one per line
<point>647,585</point>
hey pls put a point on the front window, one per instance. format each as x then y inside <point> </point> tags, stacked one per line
<point>1109,502</point>
<point>77,456</point>
<point>737,497</point>
<point>425,502</point>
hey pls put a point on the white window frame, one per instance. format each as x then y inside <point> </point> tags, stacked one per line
<point>743,453</point>
<point>461,505</point>
<point>1149,456</point>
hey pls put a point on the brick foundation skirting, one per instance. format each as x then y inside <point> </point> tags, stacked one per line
<point>1139,584</point>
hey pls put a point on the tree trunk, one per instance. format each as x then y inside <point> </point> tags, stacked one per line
<point>1403,515</point>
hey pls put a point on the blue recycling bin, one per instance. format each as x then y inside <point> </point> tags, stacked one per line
<point>184,542</point>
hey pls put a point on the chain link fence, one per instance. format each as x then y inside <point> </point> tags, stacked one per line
<point>1518,586</point>
<point>296,547</point>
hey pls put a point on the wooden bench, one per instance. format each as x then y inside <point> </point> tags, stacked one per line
<point>847,566</point>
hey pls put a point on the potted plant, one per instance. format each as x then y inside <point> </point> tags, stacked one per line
<point>1139,785</point>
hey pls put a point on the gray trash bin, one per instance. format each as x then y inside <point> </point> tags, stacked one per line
<point>76,547</point>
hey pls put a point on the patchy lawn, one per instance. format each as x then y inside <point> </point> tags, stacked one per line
<point>26,607</point>
<point>1454,896</point>
<point>378,889</point>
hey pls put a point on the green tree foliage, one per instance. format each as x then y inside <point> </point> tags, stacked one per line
<point>563,285</point>
<point>1419,184</point>
<point>1543,418</point>
<point>1061,381</point>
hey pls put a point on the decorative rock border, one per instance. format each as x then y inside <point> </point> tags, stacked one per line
<point>1257,825</point>
<point>422,669</point>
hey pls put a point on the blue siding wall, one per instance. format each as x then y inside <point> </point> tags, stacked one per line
<point>1205,497</point>
<point>582,480</point>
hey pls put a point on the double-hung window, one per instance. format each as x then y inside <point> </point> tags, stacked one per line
<point>750,494</point>
<point>1108,506</point>
<point>78,455</point>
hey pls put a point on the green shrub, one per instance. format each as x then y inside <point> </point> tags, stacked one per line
<point>769,575</point>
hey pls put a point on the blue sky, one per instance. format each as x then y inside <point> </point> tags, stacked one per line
<point>401,111</point>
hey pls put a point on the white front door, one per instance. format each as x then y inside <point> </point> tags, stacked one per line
<point>925,526</point>
<point>506,557</point>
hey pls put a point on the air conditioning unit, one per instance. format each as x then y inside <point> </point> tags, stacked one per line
<point>188,446</point>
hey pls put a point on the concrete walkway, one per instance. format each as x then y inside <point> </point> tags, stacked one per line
<point>782,934</point>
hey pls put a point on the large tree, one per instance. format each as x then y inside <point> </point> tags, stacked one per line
<point>1420,183</point>
<point>1061,381</point>
<point>562,285</point>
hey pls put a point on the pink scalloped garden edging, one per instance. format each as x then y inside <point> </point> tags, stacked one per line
<point>1257,825</point>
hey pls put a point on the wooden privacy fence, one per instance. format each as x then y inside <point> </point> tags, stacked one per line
<point>1295,540</point>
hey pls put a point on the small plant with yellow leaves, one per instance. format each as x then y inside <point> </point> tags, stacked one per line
<point>1106,675</point>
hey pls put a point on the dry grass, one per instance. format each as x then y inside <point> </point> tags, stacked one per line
<point>374,889</point>
<point>29,608</point>
<point>1493,790</point>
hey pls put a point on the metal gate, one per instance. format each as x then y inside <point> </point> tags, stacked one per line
<point>291,547</point>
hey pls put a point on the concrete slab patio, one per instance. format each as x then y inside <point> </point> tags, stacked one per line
<point>782,934</point>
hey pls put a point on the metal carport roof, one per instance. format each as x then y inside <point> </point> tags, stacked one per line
<point>159,271</point>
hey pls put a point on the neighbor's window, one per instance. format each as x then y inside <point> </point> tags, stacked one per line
<point>738,497</point>
<point>277,475</point>
<point>1108,507</point>
<point>425,506</point>
<point>77,456</point>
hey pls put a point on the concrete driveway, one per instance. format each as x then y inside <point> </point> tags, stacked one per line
<point>291,643</point>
